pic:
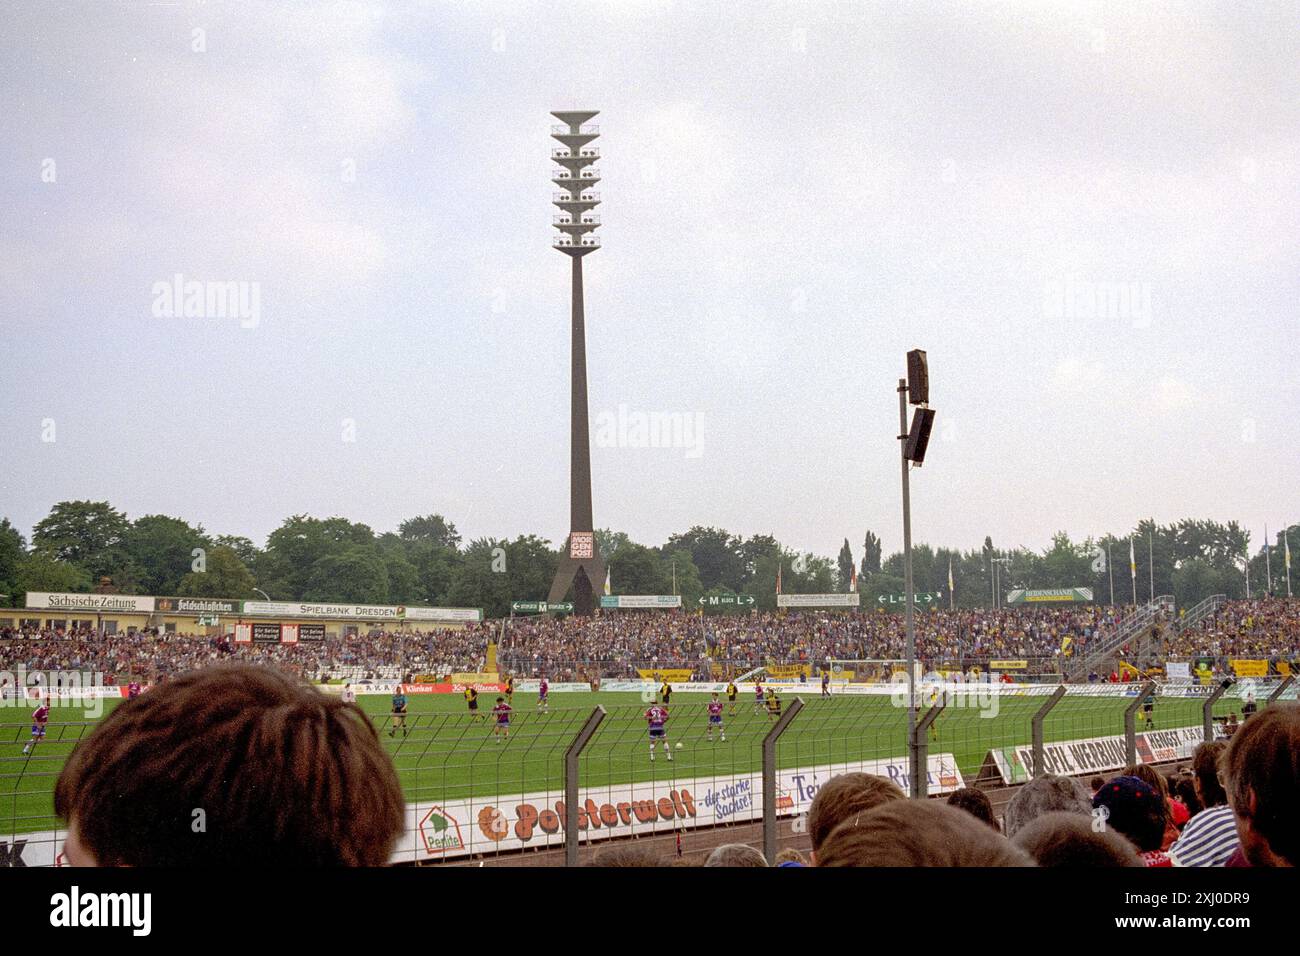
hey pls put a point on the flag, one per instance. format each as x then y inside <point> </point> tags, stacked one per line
<point>1065,645</point>
<point>1133,570</point>
<point>1286,544</point>
<point>607,582</point>
<point>853,579</point>
<point>950,587</point>
<point>778,579</point>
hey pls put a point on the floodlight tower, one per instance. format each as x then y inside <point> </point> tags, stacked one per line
<point>580,564</point>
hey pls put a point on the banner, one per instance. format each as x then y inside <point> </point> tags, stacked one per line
<point>851,599</point>
<point>437,831</point>
<point>674,675</point>
<point>243,633</point>
<point>1095,754</point>
<point>266,633</point>
<point>1249,668</point>
<point>289,634</point>
<point>360,612</point>
<point>196,606</point>
<point>311,632</point>
<point>1178,670</point>
<point>641,600</point>
<point>1008,665</point>
<point>788,671</point>
<point>471,678</point>
<point>99,603</point>
<point>1023,596</point>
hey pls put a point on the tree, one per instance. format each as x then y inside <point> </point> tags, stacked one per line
<point>845,565</point>
<point>356,575</point>
<point>530,568</point>
<point>294,549</point>
<point>680,564</point>
<point>715,552</point>
<point>225,576</point>
<point>13,549</point>
<point>430,529</point>
<point>636,569</point>
<point>40,572</point>
<point>872,552</point>
<point>85,533</point>
<point>243,547</point>
<point>475,582</point>
<point>160,551</point>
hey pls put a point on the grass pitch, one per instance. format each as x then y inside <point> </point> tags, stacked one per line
<point>448,755</point>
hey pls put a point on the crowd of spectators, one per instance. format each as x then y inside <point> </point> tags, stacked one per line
<point>618,643</point>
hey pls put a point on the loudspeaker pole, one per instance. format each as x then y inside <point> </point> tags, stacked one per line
<point>913,751</point>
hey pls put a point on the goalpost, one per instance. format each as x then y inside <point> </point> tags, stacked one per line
<point>877,670</point>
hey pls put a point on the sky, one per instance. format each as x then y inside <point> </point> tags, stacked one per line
<point>1087,214</point>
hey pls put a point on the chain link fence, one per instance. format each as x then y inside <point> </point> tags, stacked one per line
<point>562,782</point>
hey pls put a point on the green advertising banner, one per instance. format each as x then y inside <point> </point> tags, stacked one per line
<point>1051,595</point>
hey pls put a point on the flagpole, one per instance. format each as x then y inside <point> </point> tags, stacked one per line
<point>1151,559</point>
<point>1110,569</point>
<point>1268,563</point>
<point>1133,570</point>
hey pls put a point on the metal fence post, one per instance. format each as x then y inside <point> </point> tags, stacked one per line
<point>571,755</point>
<point>1207,709</point>
<point>921,747</point>
<point>1277,694</point>
<point>1036,728</point>
<point>1130,721</point>
<point>769,778</point>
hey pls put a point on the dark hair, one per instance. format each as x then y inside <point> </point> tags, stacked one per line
<point>1135,809</point>
<point>283,775</point>
<point>1205,765</point>
<point>1263,762</point>
<point>976,803</point>
<point>625,855</point>
<point>917,833</point>
<point>1184,791</point>
<point>1096,783</point>
<point>1069,840</point>
<point>843,796</point>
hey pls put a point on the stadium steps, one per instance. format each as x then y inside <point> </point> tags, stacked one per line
<point>1129,630</point>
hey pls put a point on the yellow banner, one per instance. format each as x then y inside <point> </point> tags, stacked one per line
<point>468,678</point>
<point>1284,668</point>
<point>1008,665</point>
<point>674,675</point>
<point>1249,668</point>
<point>788,671</point>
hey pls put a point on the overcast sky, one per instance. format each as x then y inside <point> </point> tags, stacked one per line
<point>793,196</point>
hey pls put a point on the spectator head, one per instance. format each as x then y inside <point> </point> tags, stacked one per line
<point>1046,794</point>
<point>1096,783</point>
<point>1069,840</point>
<point>976,803</point>
<point>791,857</point>
<point>1149,775</point>
<point>1184,791</point>
<point>1135,809</point>
<point>625,855</point>
<point>1262,779</point>
<point>735,854</point>
<point>844,796</point>
<point>1205,766</point>
<point>917,833</point>
<point>231,765</point>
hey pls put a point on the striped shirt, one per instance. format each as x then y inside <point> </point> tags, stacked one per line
<point>1209,839</point>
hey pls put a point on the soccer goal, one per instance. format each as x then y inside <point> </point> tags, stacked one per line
<point>869,671</point>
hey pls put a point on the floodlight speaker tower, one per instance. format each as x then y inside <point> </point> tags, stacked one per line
<point>581,565</point>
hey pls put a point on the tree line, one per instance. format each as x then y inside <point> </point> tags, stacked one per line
<point>83,545</point>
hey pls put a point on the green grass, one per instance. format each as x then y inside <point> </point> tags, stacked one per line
<point>449,756</point>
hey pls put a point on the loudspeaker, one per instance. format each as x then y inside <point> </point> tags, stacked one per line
<point>919,436</point>
<point>918,378</point>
